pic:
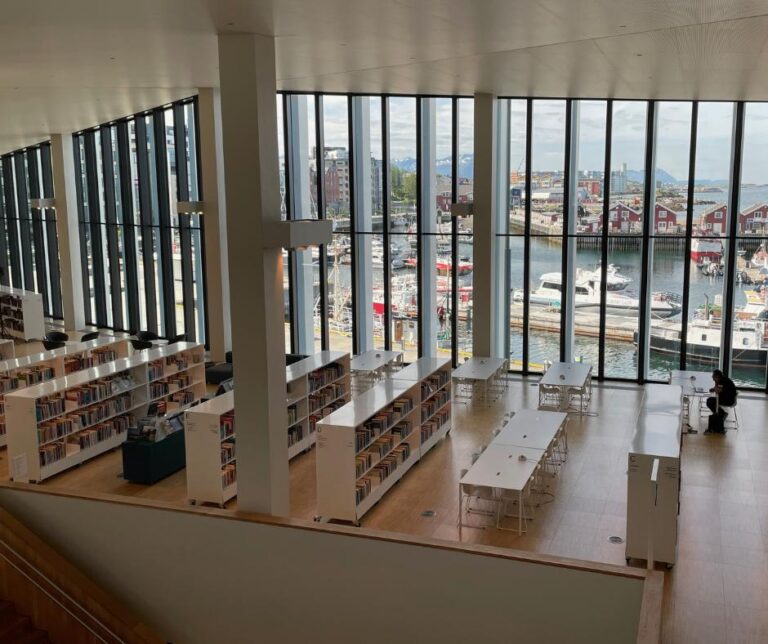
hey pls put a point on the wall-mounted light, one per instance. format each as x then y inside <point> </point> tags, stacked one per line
<point>462,209</point>
<point>298,234</point>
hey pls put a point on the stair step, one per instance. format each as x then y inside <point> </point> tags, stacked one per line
<point>14,626</point>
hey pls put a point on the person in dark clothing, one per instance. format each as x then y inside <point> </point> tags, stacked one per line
<point>726,391</point>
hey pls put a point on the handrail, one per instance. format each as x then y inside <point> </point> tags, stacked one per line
<point>39,586</point>
<point>103,616</point>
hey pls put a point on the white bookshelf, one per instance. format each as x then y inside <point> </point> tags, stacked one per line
<point>315,386</point>
<point>207,427</point>
<point>176,375</point>
<point>21,313</point>
<point>19,373</point>
<point>351,457</point>
<point>436,398</point>
<point>7,349</point>
<point>49,430</point>
<point>313,390</point>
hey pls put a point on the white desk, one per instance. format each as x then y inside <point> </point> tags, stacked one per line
<point>500,467</point>
<point>565,375</point>
<point>692,382</point>
<point>532,429</point>
<point>367,367</point>
<point>478,370</point>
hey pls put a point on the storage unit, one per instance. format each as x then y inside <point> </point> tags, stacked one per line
<point>60,423</point>
<point>209,435</point>
<point>434,376</point>
<point>653,507</point>
<point>23,372</point>
<point>315,386</point>
<point>21,314</point>
<point>365,447</point>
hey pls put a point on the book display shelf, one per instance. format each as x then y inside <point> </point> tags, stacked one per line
<point>365,447</point>
<point>57,424</point>
<point>21,314</point>
<point>20,373</point>
<point>315,387</point>
<point>434,378</point>
<point>209,437</point>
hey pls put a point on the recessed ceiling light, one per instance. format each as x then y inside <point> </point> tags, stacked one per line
<point>638,55</point>
<point>622,26</point>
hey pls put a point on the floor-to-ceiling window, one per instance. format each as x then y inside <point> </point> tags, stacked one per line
<point>142,259</point>
<point>29,252</point>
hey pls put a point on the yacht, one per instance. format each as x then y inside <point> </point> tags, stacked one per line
<point>587,298</point>
<point>615,280</point>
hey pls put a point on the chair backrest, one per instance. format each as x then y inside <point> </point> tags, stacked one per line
<point>463,472</point>
<point>140,345</point>
<point>146,336</point>
<point>52,344</point>
<point>92,335</point>
<point>56,336</point>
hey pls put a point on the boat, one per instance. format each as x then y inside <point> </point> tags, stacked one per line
<point>588,296</point>
<point>615,280</point>
<point>701,249</point>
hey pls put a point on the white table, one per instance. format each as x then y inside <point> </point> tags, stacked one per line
<point>532,429</point>
<point>565,375</point>
<point>695,385</point>
<point>500,467</point>
<point>371,363</point>
<point>478,370</point>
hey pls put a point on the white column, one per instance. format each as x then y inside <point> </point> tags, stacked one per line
<point>428,224</point>
<point>301,204</point>
<point>361,158</point>
<point>215,222</point>
<point>65,194</point>
<point>486,196</point>
<point>648,268</point>
<point>249,127</point>
<point>569,286</point>
<point>500,296</point>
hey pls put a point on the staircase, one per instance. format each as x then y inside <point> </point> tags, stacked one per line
<point>17,629</point>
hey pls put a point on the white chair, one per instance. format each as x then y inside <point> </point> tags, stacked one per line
<point>549,396</point>
<point>578,399</point>
<point>496,432</point>
<point>479,493</point>
<point>732,419</point>
<point>505,498</point>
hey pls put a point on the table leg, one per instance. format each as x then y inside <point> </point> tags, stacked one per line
<point>563,399</point>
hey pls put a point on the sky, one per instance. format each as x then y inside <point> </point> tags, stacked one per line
<point>627,145</point>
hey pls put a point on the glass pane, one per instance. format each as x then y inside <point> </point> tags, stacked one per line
<point>548,167</point>
<point>405,300</point>
<point>591,166</point>
<point>516,253</point>
<point>465,225</point>
<point>544,302</point>
<point>336,158</point>
<point>627,168</point>
<point>402,154</point>
<point>281,154</point>
<point>517,169</point>
<point>340,294</point>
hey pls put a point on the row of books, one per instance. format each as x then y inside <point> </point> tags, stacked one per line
<point>12,312</point>
<point>13,324</point>
<point>101,432</point>
<point>179,381</point>
<point>381,422</point>
<point>94,392</point>
<point>433,404</point>
<point>82,418</point>
<point>52,452</point>
<point>295,434</point>
<point>292,414</point>
<point>182,398</point>
<point>227,451</point>
<point>227,424</point>
<point>10,300</point>
<point>325,411</point>
<point>434,382</point>
<point>2,428</point>
<point>25,378</point>
<point>324,376</point>
<point>48,407</point>
<point>379,473</point>
<point>155,370</point>
<point>363,461</point>
<point>82,362</point>
<point>8,383</point>
<point>158,389</point>
<point>435,423</point>
<point>228,475</point>
<point>326,395</point>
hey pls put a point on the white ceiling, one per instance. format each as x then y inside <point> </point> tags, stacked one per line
<point>70,64</point>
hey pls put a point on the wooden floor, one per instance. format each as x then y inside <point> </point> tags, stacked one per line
<point>718,591</point>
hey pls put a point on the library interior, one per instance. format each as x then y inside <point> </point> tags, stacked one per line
<point>307,190</point>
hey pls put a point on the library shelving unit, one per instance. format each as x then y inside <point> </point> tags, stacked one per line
<point>21,313</point>
<point>57,424</point>
<point>434,378</point>
<point>176,375</point>
<point>7,349</point>
<point>19,373</point>
<point>315,386</point>
<point>209,437</point>
<point>365,447</point>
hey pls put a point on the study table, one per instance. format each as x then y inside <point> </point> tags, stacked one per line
<point>478,370</point>
<point>370,364</point>
<point>695,385</point>
<point>566,375</point>
<point>532,429</point>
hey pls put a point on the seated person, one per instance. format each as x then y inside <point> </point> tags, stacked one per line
<point>726,391</point>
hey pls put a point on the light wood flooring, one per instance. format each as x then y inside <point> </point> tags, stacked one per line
<point>717,592</point>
